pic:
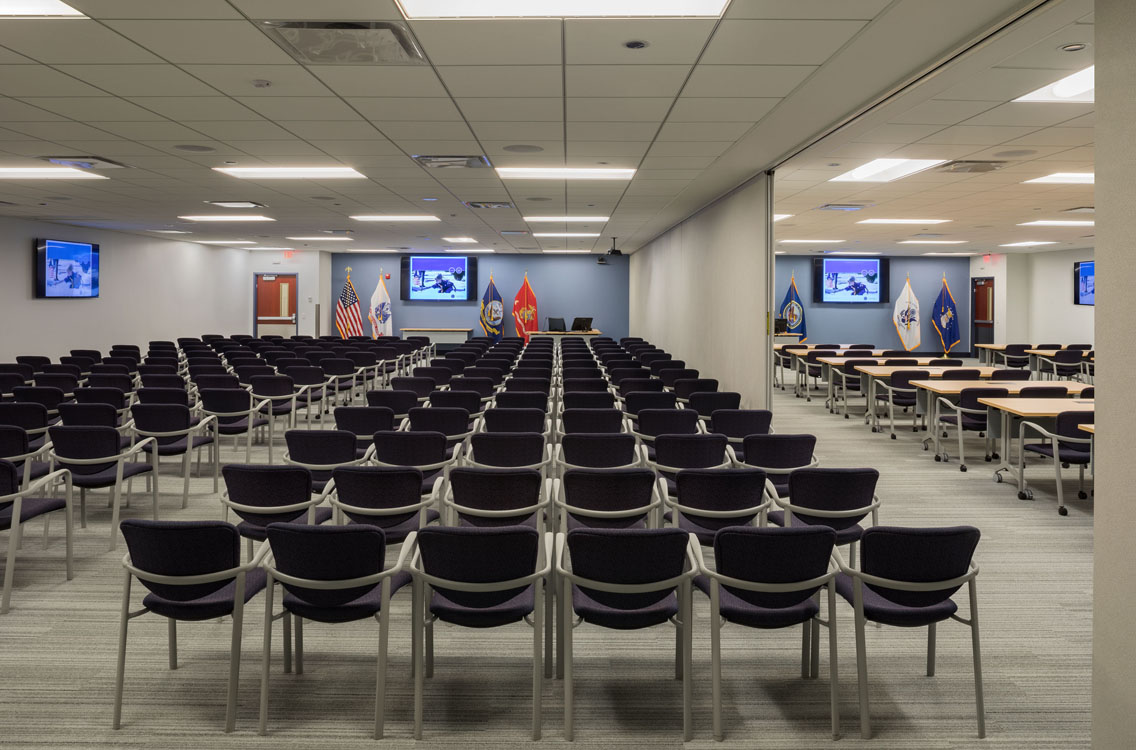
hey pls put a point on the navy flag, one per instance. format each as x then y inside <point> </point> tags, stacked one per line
<point>794,312</point>
<point>944,319</point>
<point>492,312</point>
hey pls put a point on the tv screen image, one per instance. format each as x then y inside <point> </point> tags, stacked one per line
<point>67,269</point>
<point>434,278</point>
<point>1084,274</point>
<point>851,280</point>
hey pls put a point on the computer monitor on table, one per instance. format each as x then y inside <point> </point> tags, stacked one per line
<point>582,324</point>
<point>780,325</point>
<point>556,324</point>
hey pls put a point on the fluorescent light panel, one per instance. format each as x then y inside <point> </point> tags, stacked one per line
<point>1080,87</point>
<point>378,217</point>
<point>1026,244</point>
<point>291,173</point>
<point>37,9</point>
<point>779,217</point>
<point>949,254</point>
<point>563,173</point>
<point>886,170</point>
<point>567,252</point>
<point>904,221</point>
<point>1058,223</point>
<point>169,231</point>
<point>460,240</point>
<point>932,242</point>
<point>370,250</point>
<point>470,250</point>
<point>47,173</point>
<point>227,217</point>
<point>225,242</point>
<point>324,238</point>
<point>849,252</point>
<point>566,234</point>
<point>236,204</point>
<point>1065,178</point>
<point>539,219</point>
<point>415,9</point>
<point>811,242</point>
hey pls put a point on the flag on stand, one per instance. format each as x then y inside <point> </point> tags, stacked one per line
<point>793,312</point>
<point>906,318</point>
<point>380,311</point>
<point>348,319</point>
<point>492,312</point>
<point>944,318</point>
<point>524,310</point>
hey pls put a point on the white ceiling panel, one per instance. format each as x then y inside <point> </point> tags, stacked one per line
<point>1036,114</point>
<point>426,131</point>
<point>331,129</point>
<point>897,133</point>
<point>13,110</point>
<point>237,80</point>
<point>613,109</point>
<point>551,147</point>
<point>689,148</point>
<point>703,131</point>
<point>720,109</point>
<point>529,109</point>
<point>351,80</point>
<point>297,108</point>
<point>624,80</point>
<point>601,41</point>
<point>1048,53</point>
<point>676,162</point>
<point>56,131</point>
<point>150,131</point>
<point>611,131</point>
<point>778,42</point>
<point>503,80</point>
<point>490,42</point>
<point>234,42</point>
<point>1000,85</point>
<point>416,145</point>
<point>324,10</point>
<point>38,80</point>
<point>8,57</point>
<point>95,108</point>
<point>196,107</point>
<point>406,108</point>
<point>227,130</point>
<point>347,149</point>
<point>139,80</point>
<point>517,132</point>
<point>941,112</point>
<point>201,9</point>
<point>830,9</point>
<point>984,135</point>
<point>71,41</point>
<point>1056,137</point>
<point>746,80</point>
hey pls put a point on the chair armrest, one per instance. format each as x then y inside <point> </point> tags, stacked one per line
<point>1047,434</point>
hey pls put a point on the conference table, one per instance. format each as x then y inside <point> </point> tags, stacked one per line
<point>440,335</point>
<point>561,335</point>
<point>1037,355</point>
<point>928,393</point>
<point>1092,430</point>
<point>986,352</point>
<point>869,374</point>
<point>827,363</point>
<point>1041,411</point>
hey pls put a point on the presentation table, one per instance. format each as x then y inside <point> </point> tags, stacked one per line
<point>869,374</point>
<point>561,335</point>
<point>1037,355</point>
<point>439,335</point>
<point>928,393</point>
<point>1041,411</point>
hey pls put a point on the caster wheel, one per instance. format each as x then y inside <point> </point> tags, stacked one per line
<point>1025,495</point>
<point>982,434</point>
<point>846,416</point>
<point>915,429</point>
<point>808,400</point>
<point>998,478</point>
<point>1062,511</point>
<point>1082,496</point>
<point>938,458</point>
<point>893,437</point>
<point>988,459</point>
<point>923,428</point>
<point>962,467</point>
<point>995,456</point>
<point>874,430</point>
<point>944,434</point>
<point>1064,465</point>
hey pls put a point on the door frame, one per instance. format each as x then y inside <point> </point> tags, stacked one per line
<point>256,297</point>
<point>973,307</point>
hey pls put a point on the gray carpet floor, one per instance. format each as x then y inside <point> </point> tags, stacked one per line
<point>57,645</point>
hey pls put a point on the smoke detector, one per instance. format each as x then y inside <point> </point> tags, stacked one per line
<point>346,42</point>
<point>452,162</point>
<point>963,166</point>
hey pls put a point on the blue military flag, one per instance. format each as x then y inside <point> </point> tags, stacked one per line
<point>492,312</point>
<point>944,318</point>
<point>793,312</point>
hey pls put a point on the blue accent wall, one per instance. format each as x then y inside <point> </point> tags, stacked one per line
<point>836,323</point>
<point>566,286</point>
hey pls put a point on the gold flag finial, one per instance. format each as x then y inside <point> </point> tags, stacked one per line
<point>349,270</point>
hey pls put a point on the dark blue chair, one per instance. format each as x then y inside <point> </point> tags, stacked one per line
<point>675,452</point>
<point>175,433</point>
<point>684,387</point>
<point>590,450</point>
<point>654,422</point>
<point>261,495</point>
<point>237,411</point>
<point>500,419</point>
<point>429,452</point>
<point>496,497</point>
<point>453,422</point>
<point>399,402</point>
<point>575,421</point>
<point>705,403</point>
<point>388,498</point>
<point>779,456</point>
<point>709,500</point>
<point>837,498</point>
<point>513,450</point>
<point>364,422</point>
<point>19,504</point>
<point>898,392</point>
<point>967,415</point>
<point>1066,444</point>
<point>587,400</point>
<point>738,424</point>
<point>522,400</point>
<point>15,446</point>
<point>608,499</point>
<point>320,452</point>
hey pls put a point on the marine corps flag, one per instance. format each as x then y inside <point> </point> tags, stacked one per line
<point>492,312</point>
<point>944,319</point>
<point>793,312</point>
<point>906,318</point>
<point>524,310</point>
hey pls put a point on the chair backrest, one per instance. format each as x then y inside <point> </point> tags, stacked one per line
<point>628,556</point>
<point>773,555</point>
<point>1017,350</point>
<point>234,401</point>
<point>36,362</point>
<point>832,490</point>
<point>1066,426</point>
<point>635,402</point>
<point>670,376</point>
<point>918,556</point>
<point>18,368</point>
<point>268,487</point>
<point>1044,391</point>
<point>94,354</point>
<point>588,400</point>
<point>88,414</point>
<point>584,385</point>
<point>619,374</point>
<point>265,386</point>
<point>968,397</point>
<point>721,490</point>
<point>848,366</point>
<point>112,396</point>
<point>494,374</point>
<point>440,375</point>
<point>182,548</point>
<point>592,421</point>
<point>782,451</point>
<point>948,363</point>
<point>163,396</point>
<point>1068,357</point>
<point>962,374</point>
<point>708,402</point>
<point>639,385</point>
<point>449,421</point>
<point>13,442</point>
<point>48,396</point>
<point>400,402</point>
<point>117,380</point>
<point>61,369</point>
<point>608,490</point>
<point>84,442</point>
<point>8,381</point>
<point>903,378</point>
<point>378,488</point>
<point>327,553</point>
<point>479,555</point>
<point>686,386</point>
<point>102,368</point>
<point>218,381</point>
<point>598,450</point>
<point>162,418</point>
<point>1006,375</point>
<point>364,421</point>
<point>468,400</point>
<point>654,422</point>
<point>690,451</point>
<point>507,449</point>
<point>398,448</point>
<point>572,371</point>
<point>421,386</point>
<point>521,400</point>
<point>514,420</point>
<point>1080,347</point>
<point>28,416</point>
<point>902,362</point>
<point>536,385</point>
<point>495,490</point>
<point>321,447</point>
<point>738,423</point>
<point>483,387</point>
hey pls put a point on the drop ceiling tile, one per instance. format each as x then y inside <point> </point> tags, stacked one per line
<point>109,9</point>
<point>503,80</point>
<point>439,148</point>
<point>999,85</point>
<point>824,9</point>
<point>496,148</point>
<point>600,41</point>
<point>8,57</point>
<point>293,147</point>
<point>1056,137</point>
<point>376,147</point>
<point>941,112</point>
<point>689,148</point>
<point>298,108</point>
<point>27,148</point>
<point>778,42</point>
<point>677,162</point>
<point>56,131</point>
<point>624,80</point>
<point>611,131</point>
<point>70,41</point>
<point>188,42</point>
<point>1038,114</point>
<point>703,131</point>
<point>350,80</point>
<point>989,135</point>
<point>685,175</point>
<point>229,130</point>
<point>331,129</point>
<point>150,131</point>
<point>518,132</point>
<point>1084,121</point>
<point>426,131</point>
<point>237,80</point>
<point>490,41</point>
<point>720,109</point>
<point>196,107</point>
<point>612,109</point>
<point>529,109</point>
<point>406,108</point>
<point>897,133</point>
<point>746,80</point>
<point>612,149</point>
<point>115,148</point>
<point>13,110</point>
<point>88,108</point>
<point>38,80</point>
<point>139,80</point>
<point>1080,153</point>
<point>1048,53</point>
<point>325,10</point>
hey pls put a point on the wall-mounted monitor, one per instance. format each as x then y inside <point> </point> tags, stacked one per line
<point>850,280</point>
<point>1084,283</point>
<point>66,269</point>
<point>439,278</point>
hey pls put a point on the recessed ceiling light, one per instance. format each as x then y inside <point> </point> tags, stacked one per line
<point>459,240</point>
<point>225,242</point>
<point>415,9</point>
<point>811,242</point>
<point>370,250</point>
<point>291,173</point>
<point>567,252</point>
<point>47,173</point>
<point>537,219</point>
<point>1065,178</point>
<point>1079,87</point>
<point>194,148</point>
<point>932,242</point>
<point>470,250</point>
<point>850,252</point>
<point>429,200</point>
<point>271,248</point>
<point>564,173</point>
<point>904,221</point>
<point>227,217</point>
<point>522,148</point>
<point>949,254</point>
<point>779,252</point>
<point>1026,244</point>
<point>38,9</point>
<point>324,238</point>
<point>1074,47</point>
<point>1058,223</point>
<point>379,217</point>
<point>886,170</point>
<point>236,204</point>
<point>169,231</point>
<point>779,217</point>
<point>566,234</point>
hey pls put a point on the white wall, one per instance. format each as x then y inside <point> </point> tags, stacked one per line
<point>1052,314</point>
<point>313,288</point>
<point>699,291</point>
<point>149,289</point>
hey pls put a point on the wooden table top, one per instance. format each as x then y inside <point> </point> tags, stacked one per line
<point>1089,428</point>
<point>439,330</point>
<point>993,347</point>
<point>592,332</point>
<point>883,371</point>
<point>1038,407</point>
<point>842,360</point>
<point>810,347</point>
<point>1013,386</point>
<point>1051,352</point>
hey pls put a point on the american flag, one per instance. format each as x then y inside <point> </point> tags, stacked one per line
<point>348,319</point>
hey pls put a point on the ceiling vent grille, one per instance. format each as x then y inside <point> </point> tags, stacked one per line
<point>963,166</point>
<point>346,42</point>
<point>452,162</point>
<point>84,162</point>
<point>489,204</point>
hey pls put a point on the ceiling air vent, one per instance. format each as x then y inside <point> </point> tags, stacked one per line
<point>844,206</point>
<point>971,167</point>
<point>489,204</point>
<point>1081,210</point>
<point>346,42</point>
<point>84,162</point>
<point>507,232</point>
<point>452,162</point>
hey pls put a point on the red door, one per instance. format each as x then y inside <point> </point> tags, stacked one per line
<point>275,304</point>
<point>982,292</point>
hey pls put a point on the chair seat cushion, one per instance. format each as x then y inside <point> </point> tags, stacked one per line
<point>38,469</point>
<point>106,477</point>
<point>510,611</point>
<point>879,609</point>
<point>399,531</point>
<point>217,604</point>
<point>843,536</point>
<point>900,399</point>
<point>177,447</point>
<point>590,522</point>
<point>256,531</point>
<point>240,426</point>
<point>704,527</point>
<point>623,619</point>
<point>1067,456</point>
<point>30,508</point>
<point>736,609</point>
<point>969,422</point>
<point>486,522</point>
<point>367,605</point>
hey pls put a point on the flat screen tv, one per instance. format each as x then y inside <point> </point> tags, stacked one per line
<point>850,280</point>
<point>439,278</point>
<point>66,269</point>
<point>1084,283</point>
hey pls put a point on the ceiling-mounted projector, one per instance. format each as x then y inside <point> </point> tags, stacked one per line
<point>614,250</point>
